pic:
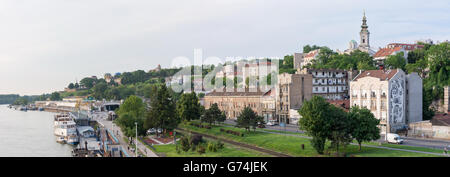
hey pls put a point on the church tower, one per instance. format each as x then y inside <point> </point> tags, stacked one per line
<point>364,34</point>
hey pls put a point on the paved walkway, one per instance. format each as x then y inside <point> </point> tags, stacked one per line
<point>101,118</point>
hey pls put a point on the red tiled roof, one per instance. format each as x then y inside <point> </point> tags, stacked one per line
<point>441,119</point>
<point>312,53</point>
<point>345,104</point>
<point>386,52</point>
<point>381,74</point>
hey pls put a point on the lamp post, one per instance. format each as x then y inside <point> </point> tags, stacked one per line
<point>135,144</point>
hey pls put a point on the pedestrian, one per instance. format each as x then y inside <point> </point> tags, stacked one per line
<point>445,150</point>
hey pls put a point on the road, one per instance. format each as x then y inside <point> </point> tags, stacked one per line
<point>410,141</point>
<point>101,118</point>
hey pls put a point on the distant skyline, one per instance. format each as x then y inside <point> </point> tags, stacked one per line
<point>46,44</point>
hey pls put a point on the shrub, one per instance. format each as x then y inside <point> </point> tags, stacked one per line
<point>185,145</point>
<point>196,139</point>
<point>212,147</point>
<point>201,149</point>
<point>219,145</point>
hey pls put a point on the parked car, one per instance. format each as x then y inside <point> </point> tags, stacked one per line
<point>394,138</point>
<point>159,130</point>
<point>151,131</point>
<point>272,123</point>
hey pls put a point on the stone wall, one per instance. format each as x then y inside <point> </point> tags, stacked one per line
<point>424,129</point>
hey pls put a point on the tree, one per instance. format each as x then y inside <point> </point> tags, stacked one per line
<point>247,119</point>
<point>71,86</point>
<point>77,86</point>
<point>55,96</point>
<point>132,110</point>
<point>188,107</point>
<point>396,61</point>
<point>363,125</point>
<point>161,113</point>
<point>323,121</point>
<point>213,114</point>
<point>221,118</point>
<point>88,82</point>
<point>99,90</point>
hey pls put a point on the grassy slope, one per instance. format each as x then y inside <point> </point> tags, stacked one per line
<point>291,145</point>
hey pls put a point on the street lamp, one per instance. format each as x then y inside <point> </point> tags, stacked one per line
<point>135,144</point>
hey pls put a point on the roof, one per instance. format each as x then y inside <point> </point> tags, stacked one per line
<point>344,104</point>
<point>381,74</point>
<point>406,46</point>
<point>386,52</point>
<point>442,119</point>
<point>312,53</point>
<point>236,93</point>
<point>83,129</point>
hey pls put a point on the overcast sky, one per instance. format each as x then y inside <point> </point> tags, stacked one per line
<point>46,44</point>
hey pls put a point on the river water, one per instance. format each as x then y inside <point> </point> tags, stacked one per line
<point>29,134</point>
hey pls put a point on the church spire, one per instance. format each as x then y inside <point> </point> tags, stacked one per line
<point>364,24</point>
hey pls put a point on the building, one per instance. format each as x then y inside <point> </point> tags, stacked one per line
<point>438,127</point>
<point>364,36</point>
<point>268,102</point>
<point>292,90</point>
<point>331,84</point>
<point>392,96</point>
<point>393,49</point>
<point>303,59</point>
<point>232,103</point>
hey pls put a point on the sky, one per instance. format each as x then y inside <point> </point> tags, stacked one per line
<point>46,44</point>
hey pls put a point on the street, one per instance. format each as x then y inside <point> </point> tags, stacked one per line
<point>409,141</point>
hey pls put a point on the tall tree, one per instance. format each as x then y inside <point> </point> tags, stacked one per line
<point>161,113</point>
<point>317,121</point>
<point>130,112</point>
<point>188,107</point>
<point>364,125</point>
<point>246,119</point>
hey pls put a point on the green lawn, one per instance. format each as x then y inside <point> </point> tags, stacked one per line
<point>292,145</point>
<point>228,151</point>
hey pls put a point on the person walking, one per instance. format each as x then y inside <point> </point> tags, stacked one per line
<point>445,150</point>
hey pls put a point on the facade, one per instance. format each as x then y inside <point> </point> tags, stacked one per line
<point>331,84</point>
<point>303,59</point>
<point>393,49</point>
<point>268,102</point>
<point>392,96</point>
<point>292,90</point>
<point>232,103</point>
<point>438,127</point>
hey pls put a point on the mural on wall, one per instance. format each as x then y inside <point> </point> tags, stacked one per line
<point>396,101</point>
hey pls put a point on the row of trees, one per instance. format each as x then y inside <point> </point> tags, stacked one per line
<point>324,121</point>
<point>164,111</point>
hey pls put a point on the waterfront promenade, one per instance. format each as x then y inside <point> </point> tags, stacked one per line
<point>101,118</point>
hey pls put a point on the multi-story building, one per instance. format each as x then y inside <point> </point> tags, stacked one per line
<point>393,49</point>
<point>232,103</point>
<point>268,102</point>
<point>292,90</point>
<point>392,96</point>
<point>303,59</point>
<point>331,84</point>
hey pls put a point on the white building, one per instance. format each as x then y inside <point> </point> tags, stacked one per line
<point>392,96</point>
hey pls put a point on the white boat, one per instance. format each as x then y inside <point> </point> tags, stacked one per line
<point>65,129</point>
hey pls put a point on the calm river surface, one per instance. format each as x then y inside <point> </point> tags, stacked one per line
<point>29,134</point>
